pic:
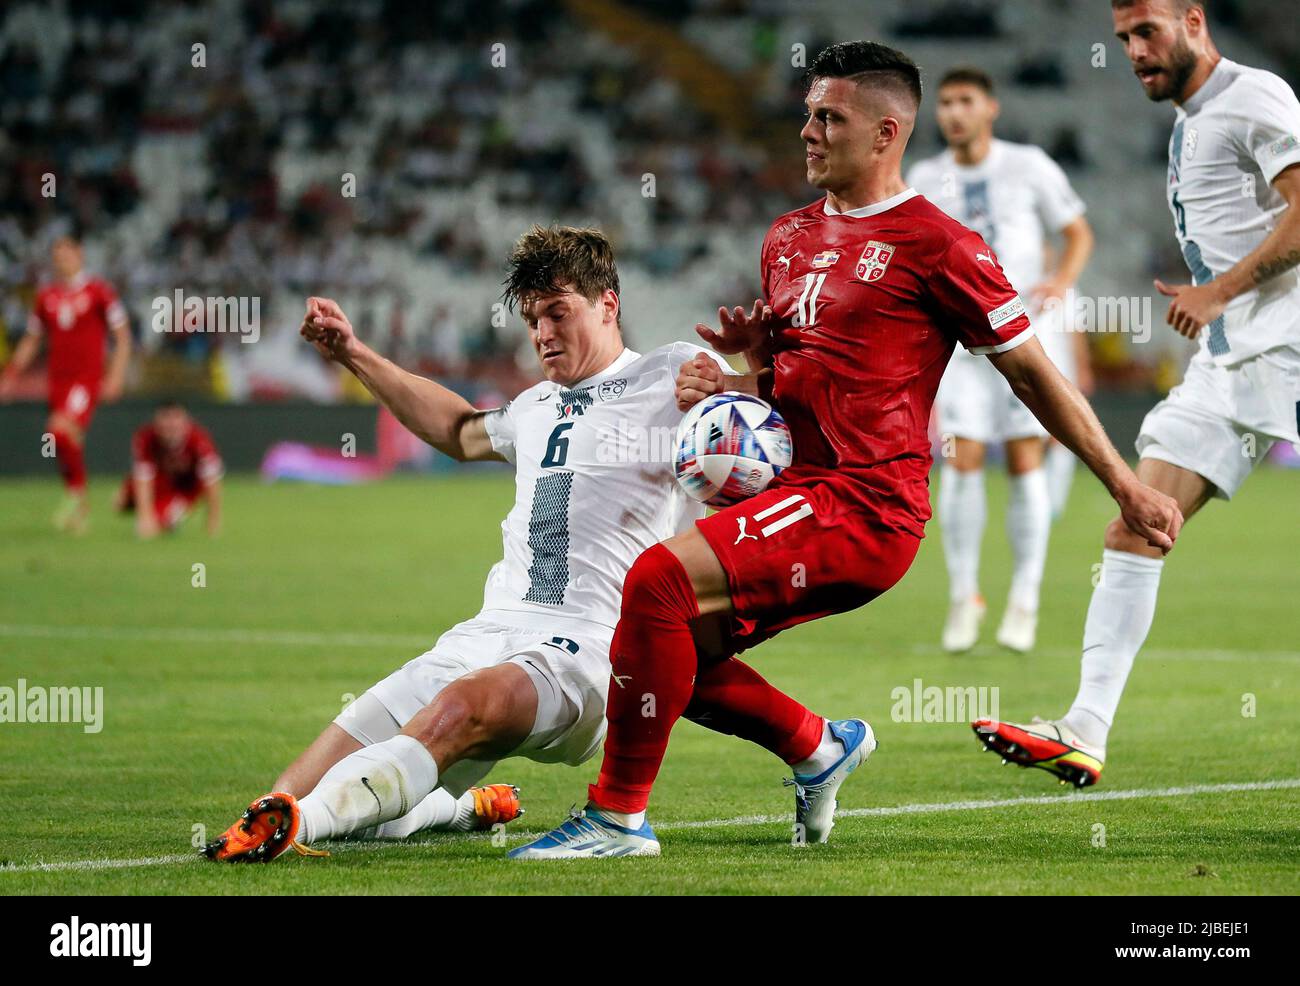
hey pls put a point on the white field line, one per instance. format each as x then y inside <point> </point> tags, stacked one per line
<point>314,638</point>
<point>743,820</point>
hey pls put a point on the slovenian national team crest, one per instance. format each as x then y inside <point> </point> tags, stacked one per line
<point>874,261</point>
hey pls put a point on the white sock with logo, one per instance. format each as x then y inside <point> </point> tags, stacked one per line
<point>373,785</point>
<point>828,751</point>
<point>962,512</point>
<point>1059,463</point>
<point>1029,522</point>
<point>439,810</point>
<point>1119,617</point>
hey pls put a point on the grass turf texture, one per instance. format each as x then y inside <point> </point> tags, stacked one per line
<point>314,593</point>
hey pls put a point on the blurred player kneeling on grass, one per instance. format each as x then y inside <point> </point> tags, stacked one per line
<point>174,465</point>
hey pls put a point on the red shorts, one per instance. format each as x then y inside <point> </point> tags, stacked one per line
<point>74,399</point>
<point>170,506</point>
<point>798,553</point>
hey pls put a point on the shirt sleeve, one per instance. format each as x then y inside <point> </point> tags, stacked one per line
<point>36,318</point>
<point>502,431</point>
<point>684,352</point>
<point>114,312</point>
<point>1058,203</point>
<point>142,464</point>
<point>210,466</point>
<point>977,303</point>
<point>1272,124</point>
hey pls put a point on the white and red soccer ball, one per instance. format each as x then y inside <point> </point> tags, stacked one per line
<point>729,447</point>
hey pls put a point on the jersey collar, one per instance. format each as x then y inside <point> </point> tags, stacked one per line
<point>1214,84</point>
<point>876,208</point>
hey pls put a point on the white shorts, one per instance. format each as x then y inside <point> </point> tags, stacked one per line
<point>567,660</point>
<point>1221,420</point>
<point>976,402</point>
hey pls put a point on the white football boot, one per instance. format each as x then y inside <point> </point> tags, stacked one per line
<point>814,797</point>
<point>590,835</point>
<point>1019,629</point>
<point>962,630</point>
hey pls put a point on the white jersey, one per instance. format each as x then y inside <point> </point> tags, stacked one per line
<point>1230,140</point>
<point>594,487</point>
<point>1015,198</point>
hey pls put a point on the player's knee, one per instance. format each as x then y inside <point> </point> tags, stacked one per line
<point>654,583</point>
<point>1120,538</point>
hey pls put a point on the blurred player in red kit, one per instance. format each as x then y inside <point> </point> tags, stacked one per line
<point>74,313</point>
<point>174,464</point>
<point>867,290</point>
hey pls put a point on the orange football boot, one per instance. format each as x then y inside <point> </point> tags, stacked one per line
<point>495,804</point>
<point>267,828</point>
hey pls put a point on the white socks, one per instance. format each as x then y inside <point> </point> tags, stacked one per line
<point>962,511</point>
<point>375,784</point>
<point>828,751</point>
<point>1029,522</point>
<point>628,819</point>
<point>1059,464</point>
<point>439,810</point>
<point>1119,618</point>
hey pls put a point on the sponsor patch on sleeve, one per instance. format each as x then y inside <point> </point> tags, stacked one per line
<point>1281,146</point>
<point>1009,312</point>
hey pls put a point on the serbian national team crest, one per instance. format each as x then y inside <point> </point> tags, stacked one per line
<point>874,261</point>
<point>825,259</point>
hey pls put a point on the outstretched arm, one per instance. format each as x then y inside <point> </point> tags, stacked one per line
<point>430,411</point>
<point>1070,419</point>
<point>24,353</point>
<point>1194,306</point>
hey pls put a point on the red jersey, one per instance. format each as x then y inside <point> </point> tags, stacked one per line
<point>868,306</point>
<point>182,469</point>
<point>75,317</point>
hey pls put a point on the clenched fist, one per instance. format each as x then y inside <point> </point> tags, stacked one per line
<point>698,379</point>
<point>328,329</point>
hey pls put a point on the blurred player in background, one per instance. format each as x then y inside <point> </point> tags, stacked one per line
<point>75,314</point>
<point>529,675</point>
<point>868,290</point>
<point>174,465</point>
<point>1016,197</point>
<point>1234,192</point>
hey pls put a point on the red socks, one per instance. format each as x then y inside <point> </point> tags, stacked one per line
<point>731,697</point>
<point>653,655</point>
<point>655,681</point>
<point>72,461</point>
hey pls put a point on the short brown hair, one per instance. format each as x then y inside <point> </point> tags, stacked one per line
<point>552,259</point>
<point>968,75</point>
<point>1181,7</point>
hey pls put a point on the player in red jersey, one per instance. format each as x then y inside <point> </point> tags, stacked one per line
<point>867,292</point>
<point>174,465</point>
<point>75,314</point>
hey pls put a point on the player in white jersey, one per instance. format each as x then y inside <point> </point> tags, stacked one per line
<point>1017,198</point>
<point>592,447</point>
<point>1234,191</point>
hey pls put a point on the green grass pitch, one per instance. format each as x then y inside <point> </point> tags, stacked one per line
<point>313,594</point>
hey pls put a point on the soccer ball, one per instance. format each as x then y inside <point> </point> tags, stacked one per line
<point>729,447</point>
